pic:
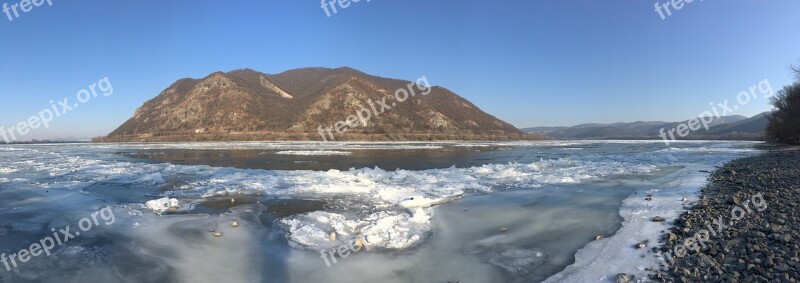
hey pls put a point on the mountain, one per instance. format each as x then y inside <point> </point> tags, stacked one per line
<point>308,104</point>
<point>726,127</point>
<point>755,124</point>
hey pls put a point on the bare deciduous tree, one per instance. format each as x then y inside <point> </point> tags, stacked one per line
<point>784,123</point>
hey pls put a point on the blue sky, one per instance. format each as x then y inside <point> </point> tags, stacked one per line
<point>531,63</point>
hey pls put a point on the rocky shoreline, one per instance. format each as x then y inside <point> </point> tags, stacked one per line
<point>745,227</point>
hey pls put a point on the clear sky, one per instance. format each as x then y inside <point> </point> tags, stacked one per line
<point>531,63</point>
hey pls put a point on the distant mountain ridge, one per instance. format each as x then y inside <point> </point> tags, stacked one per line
<point>249,105</point>
<point>727,127</point>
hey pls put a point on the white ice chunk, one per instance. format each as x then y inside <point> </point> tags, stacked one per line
<point>163,204</point>
<point>384,229</point>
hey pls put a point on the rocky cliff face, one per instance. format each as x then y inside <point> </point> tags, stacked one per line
<point>296,104</point>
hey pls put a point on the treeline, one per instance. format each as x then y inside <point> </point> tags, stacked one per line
<point>784,123</point>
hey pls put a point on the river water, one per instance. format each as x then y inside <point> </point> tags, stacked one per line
<point>344,212</point>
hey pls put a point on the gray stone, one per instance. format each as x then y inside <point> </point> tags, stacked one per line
<point>624,278</point>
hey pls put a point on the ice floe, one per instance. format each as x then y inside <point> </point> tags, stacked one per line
<point>384,229</point>
<point>313,152</point>
<point>163,204</point>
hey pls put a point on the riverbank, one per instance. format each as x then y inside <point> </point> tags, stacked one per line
<point>744,228</point>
